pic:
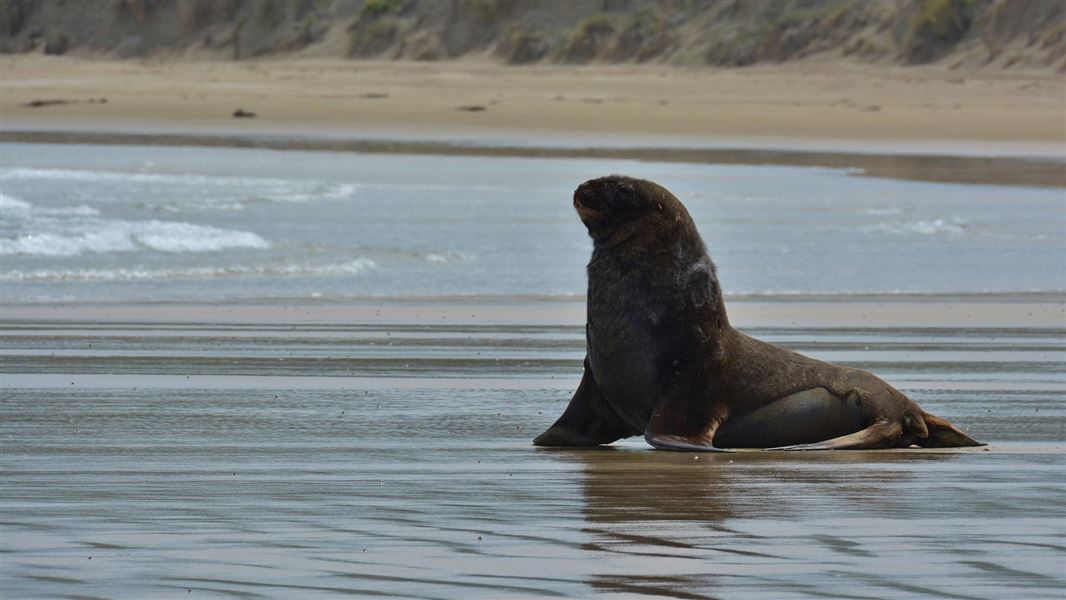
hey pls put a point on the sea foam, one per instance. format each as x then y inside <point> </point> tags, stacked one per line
<point>99,236</point>
<point>351,267</point>
<point>263,188</point>
<point>12,207</point>
<point>186,237</point>
<point>8,203</point>
<point>955,225</point>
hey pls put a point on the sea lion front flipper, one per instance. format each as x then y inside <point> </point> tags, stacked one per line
<point>679,423</point>
<point>943,434</point>
<point>882,434</point>
<point>662,441</point>
<point>587,421</point>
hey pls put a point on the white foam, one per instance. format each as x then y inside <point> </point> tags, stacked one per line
<point>351,267</point>
<point>50,244</point>
<point>186,237</point>
<point>103,236</point>
<point>319,191</point>
<point>443,258</point>
<point>8,203</point>
<point>15,207</point>
<point>268,188</point>
<point>29,173</point>
<point>883,211</point>
<point>955,225</point>
<point>199,206</point>
<point>80,210</point>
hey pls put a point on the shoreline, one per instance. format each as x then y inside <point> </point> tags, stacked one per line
<point>518,138</point>
<point>1036,171</point>
<point>984,312</point>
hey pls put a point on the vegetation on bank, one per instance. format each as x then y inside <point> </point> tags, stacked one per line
<point>957,33</point>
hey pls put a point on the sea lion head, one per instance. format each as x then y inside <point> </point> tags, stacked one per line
<point>616,207</point>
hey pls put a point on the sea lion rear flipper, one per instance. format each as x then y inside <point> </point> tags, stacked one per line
<point>943,434</point>
<point>587,421</point>
<point>882,434</point>
<point>679,423</point>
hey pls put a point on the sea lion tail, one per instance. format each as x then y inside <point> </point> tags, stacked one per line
<point>942,434</point>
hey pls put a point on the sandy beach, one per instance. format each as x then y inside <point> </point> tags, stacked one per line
<point>813,106</point>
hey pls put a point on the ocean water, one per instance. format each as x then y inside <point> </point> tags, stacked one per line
<point>120,223</point>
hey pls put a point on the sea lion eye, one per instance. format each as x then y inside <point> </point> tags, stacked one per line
<point>659,205</point>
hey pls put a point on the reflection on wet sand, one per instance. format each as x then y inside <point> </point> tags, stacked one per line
<point>683,525</point>
<point>621,486</point>
<point>227,458</point>
<point>999,170</point>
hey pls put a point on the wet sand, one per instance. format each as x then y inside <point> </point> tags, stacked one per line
<point>382,448</point>
<point>1043,171</point>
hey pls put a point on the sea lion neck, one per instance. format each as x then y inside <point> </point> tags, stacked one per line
<point>657,260</point>
<point>620,236</point>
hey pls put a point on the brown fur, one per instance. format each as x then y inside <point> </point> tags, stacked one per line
<point>664,361</point>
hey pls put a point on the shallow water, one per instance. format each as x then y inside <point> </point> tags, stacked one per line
<point>246,430</point>
<point>83,222</point>
<point>290,459</point>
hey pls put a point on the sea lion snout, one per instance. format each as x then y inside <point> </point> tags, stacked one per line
<point>611,199</point>
<point>586,201</point>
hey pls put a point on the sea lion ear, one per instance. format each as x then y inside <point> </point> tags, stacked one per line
<point>659,206</point>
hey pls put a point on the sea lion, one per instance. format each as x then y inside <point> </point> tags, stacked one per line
<point>662,359</point>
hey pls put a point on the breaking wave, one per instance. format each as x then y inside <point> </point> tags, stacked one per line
<point>351,267</point>
<point>74,230</point>
<point>99,236</point>
<point>955,225</point>
<point>224,192</point>
<point>7,204</point>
